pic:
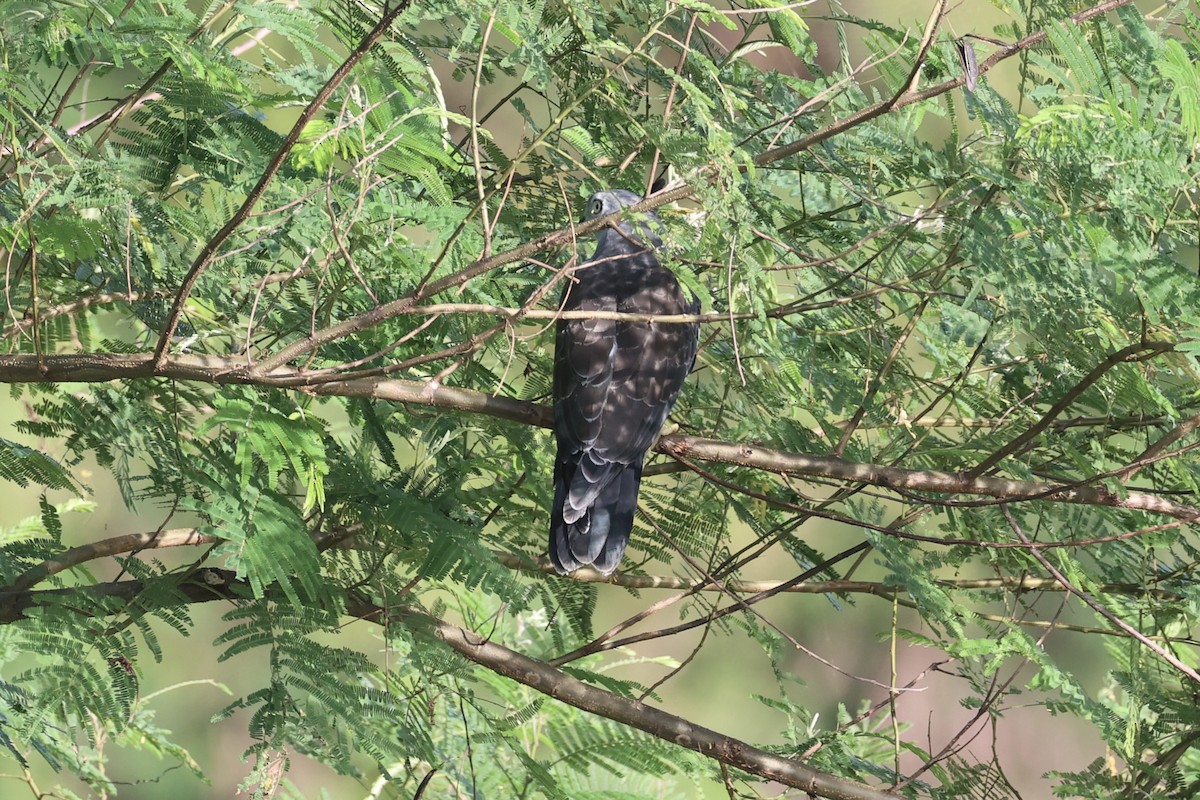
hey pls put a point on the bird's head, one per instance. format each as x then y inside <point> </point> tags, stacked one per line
<point>632,232</point>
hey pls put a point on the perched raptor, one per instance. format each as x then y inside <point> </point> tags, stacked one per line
<point>614,384</point>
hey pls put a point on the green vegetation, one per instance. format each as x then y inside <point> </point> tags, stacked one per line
<point>286,272</point>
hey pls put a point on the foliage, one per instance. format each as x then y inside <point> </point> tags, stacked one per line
<point>261,336</point>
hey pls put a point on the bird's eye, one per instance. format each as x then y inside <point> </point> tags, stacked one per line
<point>595,209</point>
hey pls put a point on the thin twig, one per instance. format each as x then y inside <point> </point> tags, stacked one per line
<point>205,257</point>
<point>1161,651</point>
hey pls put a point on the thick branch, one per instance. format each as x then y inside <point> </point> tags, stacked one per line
<point>94,367</point>
<point>915,480</point>
<point>204,585</point>
<point>133,542</point>
<point>542,677</point>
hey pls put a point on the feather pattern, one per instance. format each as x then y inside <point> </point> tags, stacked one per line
<point>614,385</point>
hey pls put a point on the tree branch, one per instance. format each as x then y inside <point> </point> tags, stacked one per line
<point>71,306</point>
<point>178,537</point>
<point>910,479</point>
<point>542,677</point>
<point>204,585</point>
<point>94,367</point>
<point>1155,450</point>
<point>571,232</point>
<point>209,251</point>
<point>907,99</point>
<point>1133,352</point>
<point>190,537</point>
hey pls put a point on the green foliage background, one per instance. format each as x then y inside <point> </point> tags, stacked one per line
<point>948,304</point>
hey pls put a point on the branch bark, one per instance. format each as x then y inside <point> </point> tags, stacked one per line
<point>542,677</point>
<point>99,367</point>
<point>1155,450</point>
<point>205,585</point>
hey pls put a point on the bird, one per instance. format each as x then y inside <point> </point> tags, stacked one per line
<point>615,382</point>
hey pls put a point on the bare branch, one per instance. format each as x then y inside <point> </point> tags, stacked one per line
<point>178,537</point>
<point>909,479</point>
<point>71,306</point>
<point>1154,451</point>
<point>931,27</point>
<point>93,367</point>
<point>204,585</point>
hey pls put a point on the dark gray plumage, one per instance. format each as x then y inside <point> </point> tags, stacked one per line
<point>614,384</point>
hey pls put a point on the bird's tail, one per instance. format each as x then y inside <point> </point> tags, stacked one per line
<point>597,538</point>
